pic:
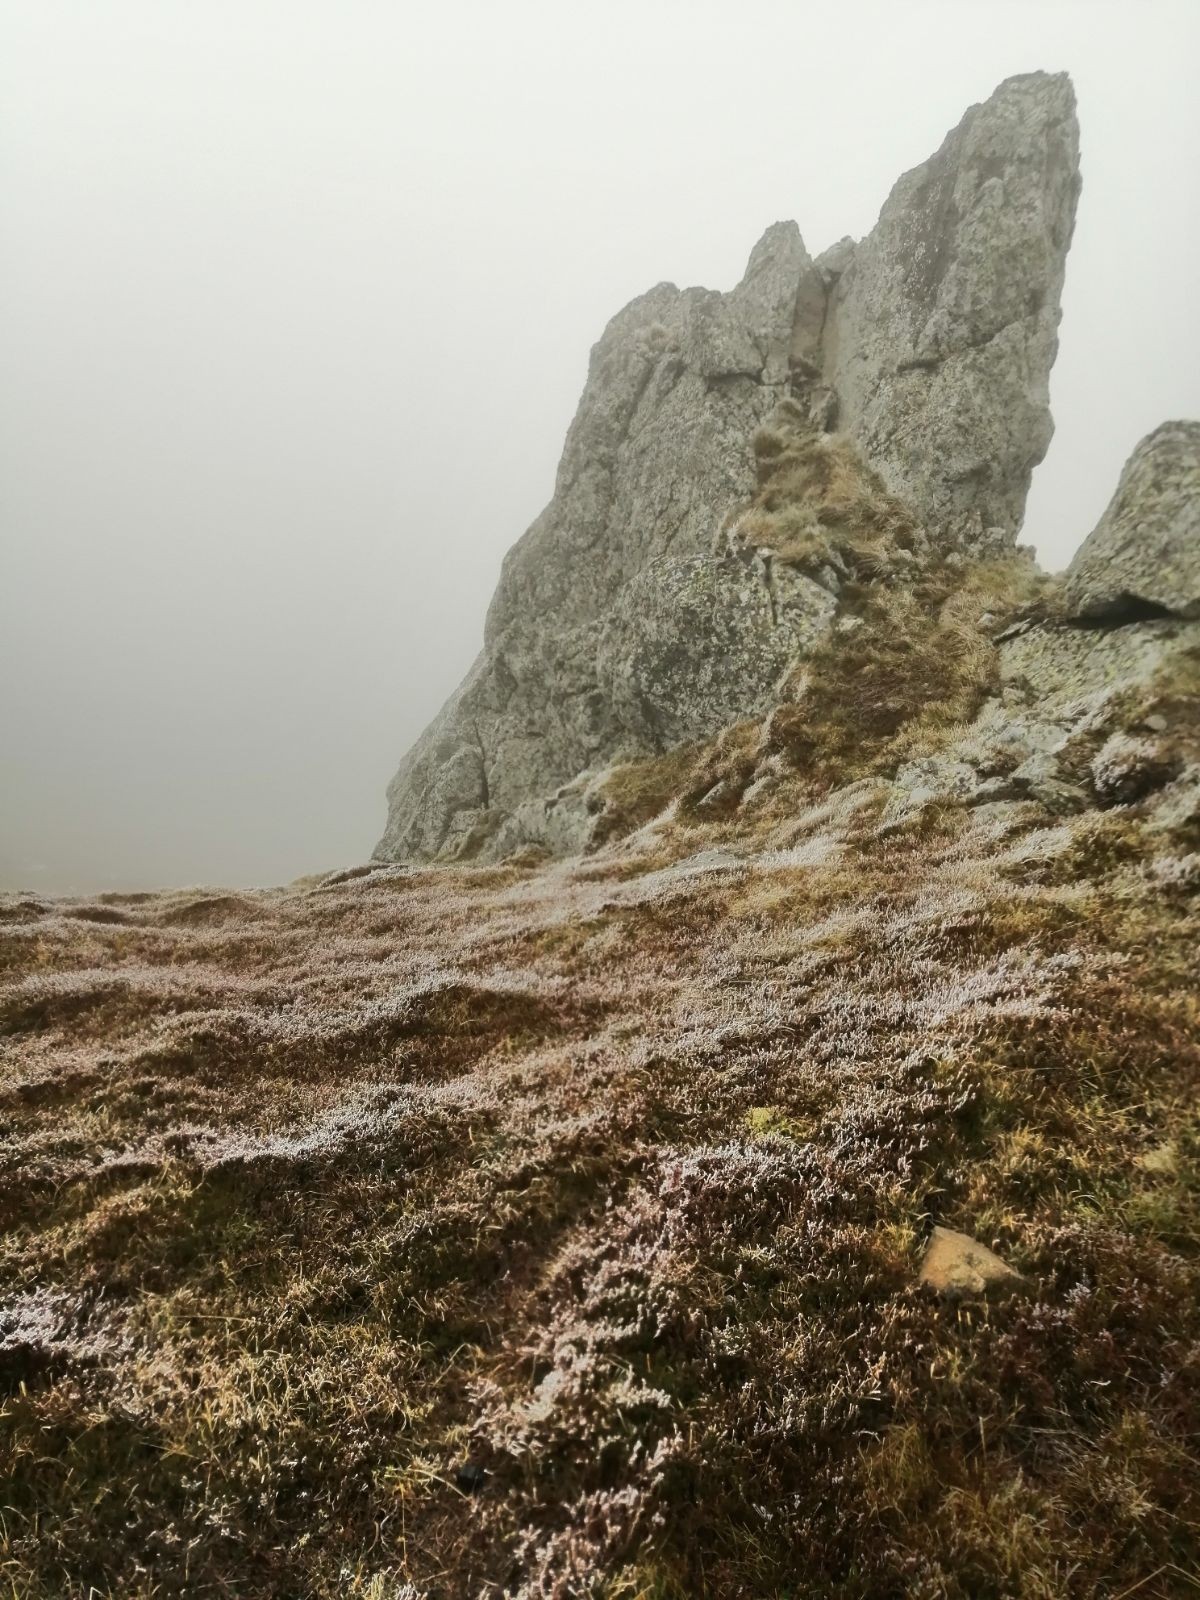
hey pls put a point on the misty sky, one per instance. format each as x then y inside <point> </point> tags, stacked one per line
<point>297,306</point>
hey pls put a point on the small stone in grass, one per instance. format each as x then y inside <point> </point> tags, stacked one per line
<point>470,1478</point>
<point>957,1265</point>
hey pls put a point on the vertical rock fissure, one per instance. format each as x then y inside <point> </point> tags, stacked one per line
<point>766,567</point>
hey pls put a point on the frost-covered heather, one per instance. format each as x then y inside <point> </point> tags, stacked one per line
<point>552,1231</point>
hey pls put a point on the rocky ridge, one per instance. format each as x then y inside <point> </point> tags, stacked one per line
<point>639,612</point>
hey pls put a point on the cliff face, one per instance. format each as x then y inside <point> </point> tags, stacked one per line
<point>640,612</point>
<point>943,330</point>
<point>675,388</point>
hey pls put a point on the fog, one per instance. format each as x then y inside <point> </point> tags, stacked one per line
<point>298,302</point>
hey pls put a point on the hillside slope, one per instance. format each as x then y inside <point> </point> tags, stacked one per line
<point>742,1141</point>
<point>555,1228</point>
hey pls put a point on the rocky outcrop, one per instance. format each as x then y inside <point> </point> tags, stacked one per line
<point>1077,723</point>
<point>616,594</point>
<point>637,613</point>
<point>1144,553</point>
<point>693,644</point>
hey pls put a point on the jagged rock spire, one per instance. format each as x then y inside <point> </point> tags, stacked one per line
<point>627,619</point>
<point>943,328</point>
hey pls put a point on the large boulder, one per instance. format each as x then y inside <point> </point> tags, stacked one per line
<point>1144,553</point>
<point>633,616</point>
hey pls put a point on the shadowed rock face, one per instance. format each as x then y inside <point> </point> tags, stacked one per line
<point>1144,553</point>
<point>632,616</point>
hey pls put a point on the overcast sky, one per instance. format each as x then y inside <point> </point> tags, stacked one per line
<point>298,301</point>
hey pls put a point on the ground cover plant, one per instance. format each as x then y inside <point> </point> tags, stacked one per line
<point>553,1229</point>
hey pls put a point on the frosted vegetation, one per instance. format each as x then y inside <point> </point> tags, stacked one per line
<point>553,1229</point>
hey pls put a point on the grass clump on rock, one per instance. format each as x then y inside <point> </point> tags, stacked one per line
<point>818,507</point>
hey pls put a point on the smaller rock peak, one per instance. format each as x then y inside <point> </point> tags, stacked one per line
<point>834,260</point>
<point>1039,79</point>
<point>780,244</point>
<point>1144,553</point>
<point>1182,431</point>
<point>1051,92</point>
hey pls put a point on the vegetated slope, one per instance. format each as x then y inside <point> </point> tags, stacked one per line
<point>553,1228</point>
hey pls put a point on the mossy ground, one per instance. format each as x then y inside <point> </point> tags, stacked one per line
<point>554,1231</point>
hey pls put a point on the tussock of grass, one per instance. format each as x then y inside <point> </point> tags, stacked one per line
<point>819,506</point>
<point>636,792</point>
<point>915,665</point>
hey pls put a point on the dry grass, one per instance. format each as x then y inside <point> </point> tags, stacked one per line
<point>638,791</point>
<point>818,506</point>
<point>553,1231</point>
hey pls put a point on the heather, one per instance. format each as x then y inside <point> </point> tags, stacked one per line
<point>553,1228</point>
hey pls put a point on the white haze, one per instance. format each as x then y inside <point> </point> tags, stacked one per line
<point>297,306</point>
